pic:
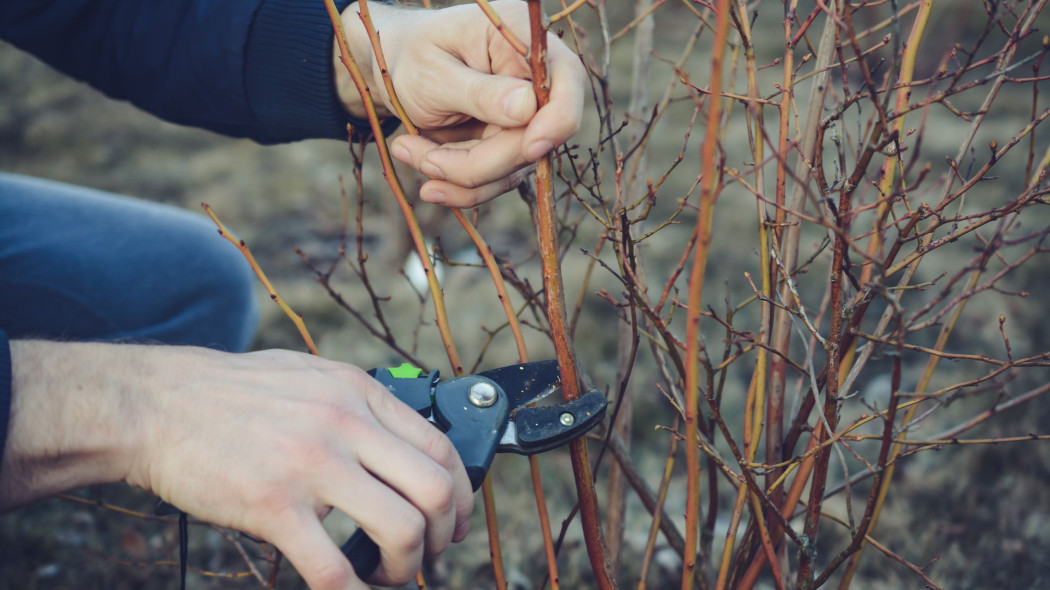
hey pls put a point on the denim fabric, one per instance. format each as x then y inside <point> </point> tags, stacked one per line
<point>81,264</point>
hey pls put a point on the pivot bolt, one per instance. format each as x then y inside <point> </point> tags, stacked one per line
<point>567,419</point>
<point>482,394</point>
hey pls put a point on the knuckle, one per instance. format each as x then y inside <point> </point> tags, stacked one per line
<point>408,531</point>
<point>330,574</point>
<point>398,574</point>
<point>346,373</point>
<point>440,497</point>
<point>438,447</point>
<point>478,92</point>
<point>464,510</point>
<point>474,198</point>
<point>482,196</point>
<point>463,179</point>
<point>382,402</point>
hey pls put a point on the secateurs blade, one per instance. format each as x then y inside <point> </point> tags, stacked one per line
<point>483,414</point>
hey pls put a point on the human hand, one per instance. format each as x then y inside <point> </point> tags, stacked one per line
<point>469,93</point>
<point>266,443</point>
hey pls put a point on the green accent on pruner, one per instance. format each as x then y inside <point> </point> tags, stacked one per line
<point>405,371</point>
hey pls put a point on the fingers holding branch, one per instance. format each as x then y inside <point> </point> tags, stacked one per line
<point>456,73</point>
<point>560,118</point>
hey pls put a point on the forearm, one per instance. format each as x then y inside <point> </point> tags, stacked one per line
<point>74,420</point>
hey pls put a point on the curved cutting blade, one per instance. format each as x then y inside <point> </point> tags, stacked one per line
<point>539,429</point>
<point>527,382</point>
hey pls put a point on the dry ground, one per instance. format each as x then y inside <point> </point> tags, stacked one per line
<point>982,514</point>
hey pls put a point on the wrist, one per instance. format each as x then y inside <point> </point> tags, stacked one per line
<point>363,55</point>
<point>75,418</point>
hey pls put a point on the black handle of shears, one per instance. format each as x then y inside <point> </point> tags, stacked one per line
<point>362,553</point>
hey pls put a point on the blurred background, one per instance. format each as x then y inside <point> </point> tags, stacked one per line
<point>980,515</point>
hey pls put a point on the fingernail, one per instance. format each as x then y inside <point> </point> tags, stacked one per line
<point>435,197</point>
<point>401,154</point>
<point>538,149</point>
<point>516,104</point>
<point>432,171</point>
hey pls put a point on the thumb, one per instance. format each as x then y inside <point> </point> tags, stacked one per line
<point>504,101</point>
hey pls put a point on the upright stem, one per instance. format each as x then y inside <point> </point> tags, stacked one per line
<point>790,231</point>
<point>555,300</point>
<point>893,162</point>
<point>788,228</point>
<point>889,169</point>
<point>665,483</point>
<point>708,196</point>
<point>633,188</point>
<point>775,407</point>
<point>835,345</point>
<point>488,498</point>
<point>523,356</point>
<point>831,402</point>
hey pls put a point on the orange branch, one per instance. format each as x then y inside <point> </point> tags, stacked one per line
<point>567,11</point>
<point>502,28</point>
<point>702,235</point>
<point>296,318</point>
<point>523,356</point>
<point>377,48</point>
<point>555,299</point>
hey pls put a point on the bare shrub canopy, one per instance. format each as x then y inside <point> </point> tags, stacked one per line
<point>811,231</point>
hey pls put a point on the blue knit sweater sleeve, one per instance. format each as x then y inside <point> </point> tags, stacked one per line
<point>247,68</point>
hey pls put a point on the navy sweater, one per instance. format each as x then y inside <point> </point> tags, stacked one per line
<point>260,69</point>
<point>247,68</point>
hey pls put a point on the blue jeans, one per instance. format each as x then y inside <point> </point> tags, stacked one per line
<point>82,264</point>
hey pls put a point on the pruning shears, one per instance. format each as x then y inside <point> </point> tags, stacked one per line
<point>497,411</point>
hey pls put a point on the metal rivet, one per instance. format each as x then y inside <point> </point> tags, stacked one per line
<point>482,394</point>
<point>567,419</point>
